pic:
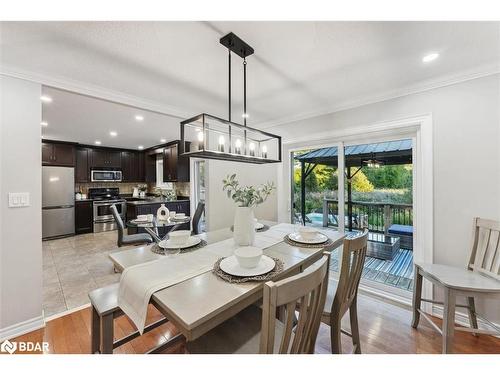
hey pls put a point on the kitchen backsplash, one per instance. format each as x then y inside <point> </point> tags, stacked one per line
<point>181,188</point>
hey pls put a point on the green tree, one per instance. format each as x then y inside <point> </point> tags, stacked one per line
<point>361,183</point>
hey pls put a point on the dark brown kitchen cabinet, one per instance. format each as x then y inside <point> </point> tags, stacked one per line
<point>82,170</point>
<point>132,166</point>
<point>175,167</point>
<point>102,158</point>
<point>84,217</point>
<point>58,154</point>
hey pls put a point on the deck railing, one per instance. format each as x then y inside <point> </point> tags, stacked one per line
<point>377,217</point>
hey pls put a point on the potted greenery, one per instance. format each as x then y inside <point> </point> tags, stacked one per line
<point>246,198</point>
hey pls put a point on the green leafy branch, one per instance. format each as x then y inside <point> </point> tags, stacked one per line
<point>246,196</point>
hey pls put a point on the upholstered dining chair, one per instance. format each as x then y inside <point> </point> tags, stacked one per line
<point>130,239</point>
<point>197,218</point>
<point>342,296</point>
<point>258,331</point>
<point>481,278</point>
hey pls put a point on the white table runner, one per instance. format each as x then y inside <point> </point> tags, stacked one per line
<point>138,283</point>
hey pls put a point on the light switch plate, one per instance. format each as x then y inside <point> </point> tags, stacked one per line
<point>19,199</point>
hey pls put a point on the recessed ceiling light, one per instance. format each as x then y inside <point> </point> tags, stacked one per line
<point>245,115</point>
<point>46,99</point>
<point>139,117</point>
<point>430,57</point>
<point>113,133</point>
<point>97,142</point>
<point>44,123</point>
<point>140,147</point>
<point>163,140</point>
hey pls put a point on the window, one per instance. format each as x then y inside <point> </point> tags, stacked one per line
<point>159,174</point>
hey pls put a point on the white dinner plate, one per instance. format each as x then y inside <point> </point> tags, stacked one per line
<point>259,226</point>
<point>230,266</point>
<point>167,244</point>
<point>141,220</point>
<point>297,237</point>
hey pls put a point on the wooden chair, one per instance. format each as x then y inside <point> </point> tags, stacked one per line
<point>342,296</point>
<point>254,330</point>
<point>481,278</point>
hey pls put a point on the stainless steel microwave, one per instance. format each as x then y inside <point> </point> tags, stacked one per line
<point>97,175</point>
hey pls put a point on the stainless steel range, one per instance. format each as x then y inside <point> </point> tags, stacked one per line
<point>103,199</point>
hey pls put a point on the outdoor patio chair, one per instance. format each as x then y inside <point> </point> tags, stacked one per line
<point>481,278</point>
<point>342,296</point>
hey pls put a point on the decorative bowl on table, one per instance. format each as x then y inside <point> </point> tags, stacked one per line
<point>179,237</point>
<point>308,235</point>
<point>248,256</point>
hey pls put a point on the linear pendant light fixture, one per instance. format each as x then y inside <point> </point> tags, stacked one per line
<point>210,137</point>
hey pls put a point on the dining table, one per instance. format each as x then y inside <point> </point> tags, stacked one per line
<point>202,302</point>
<point>152,226</point>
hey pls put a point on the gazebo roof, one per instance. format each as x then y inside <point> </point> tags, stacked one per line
<point>389,153</point>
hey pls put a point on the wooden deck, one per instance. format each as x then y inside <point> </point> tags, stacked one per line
<point>397,273</point>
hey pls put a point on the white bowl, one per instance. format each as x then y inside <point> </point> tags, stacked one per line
<point>248,256</point>
<point>308,233</point>
<point>180,216</point>
<point>179,237</point>
<point>142,217</point>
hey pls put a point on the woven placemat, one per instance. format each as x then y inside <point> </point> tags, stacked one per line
<point>158,250</point>
<point>325,244</point>
<point>278,268</point>
<point>263,229</point>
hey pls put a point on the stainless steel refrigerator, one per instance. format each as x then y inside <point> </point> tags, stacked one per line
<point>58,201</point>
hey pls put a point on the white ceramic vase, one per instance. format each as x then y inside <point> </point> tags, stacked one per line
<point>244,231</point>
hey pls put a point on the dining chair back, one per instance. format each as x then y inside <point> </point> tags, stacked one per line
<point>119,224</point>
<point>197,217</point>
<point>131,239</point>
<point>485,253</point>
<point>342,296</point>
<point>306,290</point>
<point>351,268</point>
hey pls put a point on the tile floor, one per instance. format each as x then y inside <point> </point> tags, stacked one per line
<point>74,266</point>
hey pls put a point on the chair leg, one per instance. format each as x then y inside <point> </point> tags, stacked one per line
<point>335,335</point>
<point>448,320</point>
<point>472,314</point>
<point>417,297</point>
<point>107,334</point>
<point>95,332</point>
<point>353,314</point>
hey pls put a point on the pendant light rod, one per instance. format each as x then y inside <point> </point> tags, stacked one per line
<point>229,82</point>
<point>245,115</point>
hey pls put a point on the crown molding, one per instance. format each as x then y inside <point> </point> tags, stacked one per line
<point>95,91</point>
<point>443,81</point>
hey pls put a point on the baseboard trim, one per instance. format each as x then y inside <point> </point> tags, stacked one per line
<point>67,312</point>
<point>462,319</point>
<point>21,328</point>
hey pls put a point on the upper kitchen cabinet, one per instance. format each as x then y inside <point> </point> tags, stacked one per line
<point>58,154</point>
<point>132,164</point>
<point>82,170</point>
<point>175,167</point>
<point>102,158</point>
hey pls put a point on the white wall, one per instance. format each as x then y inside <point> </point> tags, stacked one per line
<point>466,137</point>
<point>20,228</point>
<point>220,209</point>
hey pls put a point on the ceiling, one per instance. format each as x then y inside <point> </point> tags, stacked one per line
<point>299,69</point>
<point>83,119</point>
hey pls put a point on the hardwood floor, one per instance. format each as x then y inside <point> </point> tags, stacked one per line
<point>384,328</point>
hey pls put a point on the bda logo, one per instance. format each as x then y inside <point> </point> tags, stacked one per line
<point>9,347</point>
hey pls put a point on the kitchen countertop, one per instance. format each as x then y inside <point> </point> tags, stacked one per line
<point>152,200</point>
